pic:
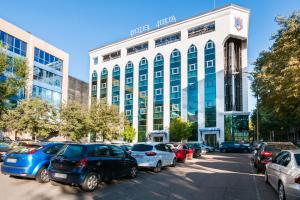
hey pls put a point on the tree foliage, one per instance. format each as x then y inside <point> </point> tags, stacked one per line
<point>13,76</point>
<point>32,116</point>
<point>277,78</point>
<point>180,130</point>
<point>105,121</point>
<point>73,121</point>
<point>128,133</point>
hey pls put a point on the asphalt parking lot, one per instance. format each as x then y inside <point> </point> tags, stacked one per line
<point>214,177</point>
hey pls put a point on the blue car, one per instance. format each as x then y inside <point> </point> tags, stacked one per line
<point>30,161</point>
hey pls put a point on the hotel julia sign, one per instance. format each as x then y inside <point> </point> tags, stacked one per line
<point>159,23</point>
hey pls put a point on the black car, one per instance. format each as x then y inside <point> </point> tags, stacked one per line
<point>268,150</point>
<point>196,147</point>
<point>85,165</point>
<point>234,147</point>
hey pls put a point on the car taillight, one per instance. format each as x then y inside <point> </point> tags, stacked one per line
<point>297,180</point>
<point>82,163</point>
<point>266,154</point>
<point>150,153</point>
<point>35,150</point>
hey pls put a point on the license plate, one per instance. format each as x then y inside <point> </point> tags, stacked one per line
<point>58,175</point>
<point>11,160</point>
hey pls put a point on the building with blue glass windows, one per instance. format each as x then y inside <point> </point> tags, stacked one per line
<point>193,69</point>
<point>48,65</point>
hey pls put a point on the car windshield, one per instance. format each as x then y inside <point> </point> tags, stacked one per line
<point>71,151</point>
<point>26,149</point>
<point>297,158</point>
<point>142,147</point>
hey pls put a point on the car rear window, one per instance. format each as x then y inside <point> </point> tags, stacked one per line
<point>279,147</point>
<point>297,158</point>
<point>25,149</point>
<point>71,151</point>
<point>142,147</point>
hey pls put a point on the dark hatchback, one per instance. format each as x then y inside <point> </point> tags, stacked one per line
<point>85,165</point>
<point>234,147</point>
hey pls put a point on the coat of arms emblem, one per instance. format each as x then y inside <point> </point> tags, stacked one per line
<point>238,23</point>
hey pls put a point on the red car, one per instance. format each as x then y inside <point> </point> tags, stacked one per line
<point>180,149</point>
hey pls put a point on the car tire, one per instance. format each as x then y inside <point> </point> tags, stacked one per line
<point>158,167</point>
<point>174,162</point>
<point>90,182</point>
<point>42,176</point>
<point>281,192</point>
<point>266,178</point>
<point>133,172</point>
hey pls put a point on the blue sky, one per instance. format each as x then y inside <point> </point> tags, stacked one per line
<point>76,26</point>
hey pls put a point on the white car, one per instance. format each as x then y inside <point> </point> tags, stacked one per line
<point>283,174</point>
<point>153,155</point>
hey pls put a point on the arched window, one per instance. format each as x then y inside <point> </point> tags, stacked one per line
<point>116,86</point>
<point>129,91</point>
<point>158,93</point>
<point>143,99</point>
<point>103,85</point>
<point>94,83</point>
<point>210,84</point>
<point>175,84</point>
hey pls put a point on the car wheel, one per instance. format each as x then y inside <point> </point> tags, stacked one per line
<point>174,163</point>
<point>281,192</point>
<point>42,175</point>
<point>90,182</point>
<point>133,172</point>
<point>158,167</point>
<point>266,177</point>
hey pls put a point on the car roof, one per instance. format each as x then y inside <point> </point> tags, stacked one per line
<point>270,143</point>
<point>294,151</point>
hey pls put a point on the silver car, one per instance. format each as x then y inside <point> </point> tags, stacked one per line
<point>283,174</point>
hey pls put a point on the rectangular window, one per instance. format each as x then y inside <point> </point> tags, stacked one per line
<point>137,48</point>
<point>103,85</point>
<point>143,77</point>
<point>175,89</point>
<point>175,107</point>
<point>158,91</point>
<point>128,96</point>
<point>95,60</point>
<point>202,29</point>
<point>209,45</point>
<point>158,74</point>
<point>192,49</point>
<point>129,80</point>
<point>142,111</point>
<point>158,58</point>
<point>143,61</point>
<point>209,63</point>
<point>175,54</point>
<point>143,94</point>
<point>192,67</point>
<point>168,39</point>
<point>115,98</point>
<point>116,69</point>
<point>158,109</point>
<point>94,87</point>
<point>111,56</point>
<point>175,70</point>
<point>128,112</point>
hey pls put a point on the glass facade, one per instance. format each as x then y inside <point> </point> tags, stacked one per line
<point>143,99</point>
<point>158,93</point>
<point>94,84</point>
<point>192,90</point>
<point>210,84</point>
<point>47,77</point>
<point>129,91</point>
<point>13,44</point>
<point>103,85</point>
<point>236,128</point>
<point>116,86</point>
<point>233,75</point>
<point>175,84</point>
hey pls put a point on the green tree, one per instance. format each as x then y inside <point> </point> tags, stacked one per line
<point>105,121</point>
<point>277,79</point>
<point>16,70</point>
<point>73,121</point>
<point>180,130</point>
<point>128,133</point>
<point>32,116</point>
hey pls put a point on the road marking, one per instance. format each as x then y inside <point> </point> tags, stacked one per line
<point>255,183</point>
